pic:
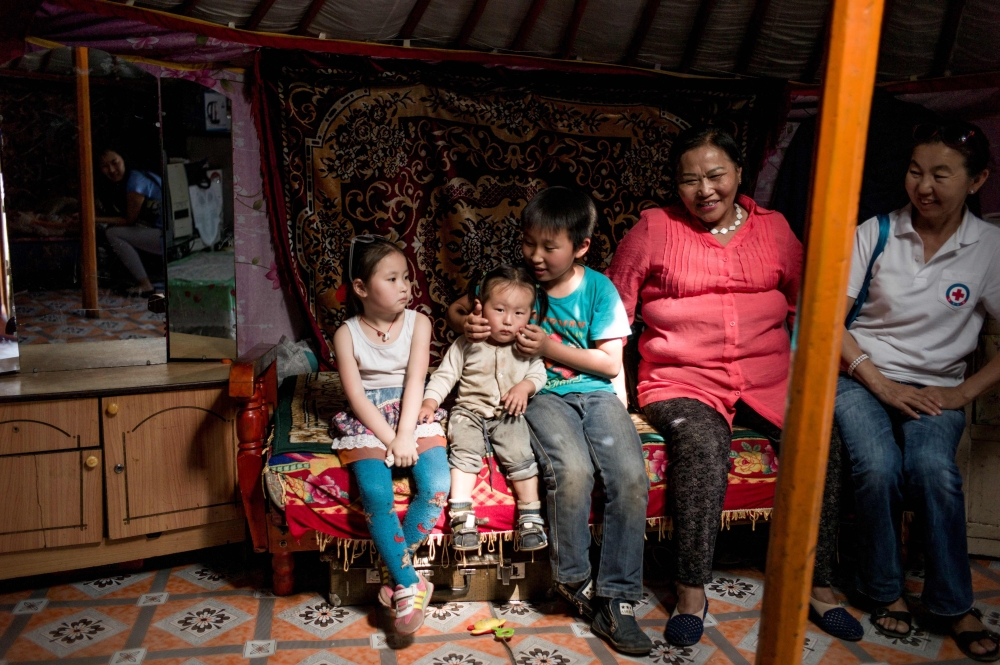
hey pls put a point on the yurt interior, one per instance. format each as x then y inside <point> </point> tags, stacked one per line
<point>724,275</point>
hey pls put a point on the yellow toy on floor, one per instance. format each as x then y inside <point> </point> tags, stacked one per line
<point>494,626</point>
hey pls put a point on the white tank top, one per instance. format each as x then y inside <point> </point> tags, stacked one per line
<point>382,365</point>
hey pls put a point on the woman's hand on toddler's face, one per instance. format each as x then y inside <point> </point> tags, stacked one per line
<point>531,341</point>
<point>403,450</point>
<point>428,409</point>
<point>515,402</point>
<point>477,328</point>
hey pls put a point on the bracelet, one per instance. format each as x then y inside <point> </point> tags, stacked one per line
<point>857,361</point>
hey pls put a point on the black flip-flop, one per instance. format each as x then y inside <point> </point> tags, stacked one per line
<point>965,639</point>
<point>885,613</point>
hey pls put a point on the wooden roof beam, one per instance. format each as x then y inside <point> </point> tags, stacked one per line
<point>259,12</point>
<point>751,35</point>
<point>569,36</point>
<point>471,21</point>
<point>705,10</point>
<point>186,8</point>
<point>413,20</point>
<point>527,25</point>
<point>314,8</point>
<point>946,40</point>
<point>641,31</point>
<point>811,70</point>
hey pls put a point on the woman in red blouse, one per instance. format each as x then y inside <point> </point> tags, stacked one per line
<point>718,278</point>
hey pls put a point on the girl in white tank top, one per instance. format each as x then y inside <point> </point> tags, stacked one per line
<point>382,354</point>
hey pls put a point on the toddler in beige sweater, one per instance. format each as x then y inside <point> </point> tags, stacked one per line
<point>494,385</point>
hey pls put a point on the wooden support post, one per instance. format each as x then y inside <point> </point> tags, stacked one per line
<point>88,229</point>
<point>843,131</point>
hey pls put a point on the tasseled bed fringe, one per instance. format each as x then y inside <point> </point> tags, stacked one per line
<point>348,550</point>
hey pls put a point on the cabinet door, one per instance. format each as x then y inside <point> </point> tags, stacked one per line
<point>50,499</point>
<point>170,461</point>
<point>31,427</point>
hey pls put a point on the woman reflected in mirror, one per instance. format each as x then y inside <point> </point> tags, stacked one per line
<point>129,203</point>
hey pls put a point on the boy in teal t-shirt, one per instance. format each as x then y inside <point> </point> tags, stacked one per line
<point>579,426</point>
<point>593,311</point>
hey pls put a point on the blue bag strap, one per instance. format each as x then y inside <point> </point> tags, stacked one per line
<point>883,237</point>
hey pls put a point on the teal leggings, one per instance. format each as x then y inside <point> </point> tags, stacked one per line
<point>395,542</point>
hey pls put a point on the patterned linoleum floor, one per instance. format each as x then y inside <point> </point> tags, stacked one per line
<point>44,317</point>
<point>195,615</point>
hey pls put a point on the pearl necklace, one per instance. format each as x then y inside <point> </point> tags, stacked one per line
<point>726,229</point>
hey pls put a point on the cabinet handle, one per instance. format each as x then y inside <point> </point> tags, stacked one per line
<point>90,462</point>
<point>119,468</point>
<point>112,409</point>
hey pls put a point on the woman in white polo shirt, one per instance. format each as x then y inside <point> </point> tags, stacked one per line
<point>900,401</point>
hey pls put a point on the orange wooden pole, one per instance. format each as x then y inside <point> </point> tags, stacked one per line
<point>88,228</point>
<point>843,131</point>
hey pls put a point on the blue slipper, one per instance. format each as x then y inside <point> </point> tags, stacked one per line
<point>683,630</point>
<point>836,621</point>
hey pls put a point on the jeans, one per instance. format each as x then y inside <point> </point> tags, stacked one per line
<point>895,457</point>
<point>579,437</point>
<point>394,542</point>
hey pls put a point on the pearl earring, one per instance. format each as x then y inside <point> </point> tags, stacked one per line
<point>972,191</point>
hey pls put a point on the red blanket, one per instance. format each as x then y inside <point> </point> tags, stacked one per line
<point>320,494</point>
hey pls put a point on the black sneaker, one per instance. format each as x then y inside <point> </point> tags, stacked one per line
<point>615,623</point>
<point>580,598</point>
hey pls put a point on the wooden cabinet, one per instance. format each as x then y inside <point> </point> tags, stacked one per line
<point>50,470</point>
<point>124,464</point>
<point>170,461</point>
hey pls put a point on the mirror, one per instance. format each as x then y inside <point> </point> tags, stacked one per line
<point>79,281</point>
<point>9,356</point>
<point>201,263</point>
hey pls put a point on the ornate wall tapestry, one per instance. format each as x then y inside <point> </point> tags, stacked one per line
<point>443,157</point>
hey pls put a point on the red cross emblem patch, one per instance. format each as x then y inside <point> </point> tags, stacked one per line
<point>957,295</point>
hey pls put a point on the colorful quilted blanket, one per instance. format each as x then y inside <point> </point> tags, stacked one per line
<point>442,158</point>
<point>318,493</point>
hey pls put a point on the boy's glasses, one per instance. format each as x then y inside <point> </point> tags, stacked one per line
<point>949,134</point>
<point>364,239</point>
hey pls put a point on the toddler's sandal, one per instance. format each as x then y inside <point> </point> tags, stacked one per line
<point>884,613</point>
<point>530,534</point>
<point>465,531</point>
<point>965,639</point>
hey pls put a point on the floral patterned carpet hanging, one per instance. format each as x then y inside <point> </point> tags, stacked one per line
<point>443,157</point>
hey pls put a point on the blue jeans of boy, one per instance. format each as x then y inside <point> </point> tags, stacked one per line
<point>579,437</point>
<point>895,457</point>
